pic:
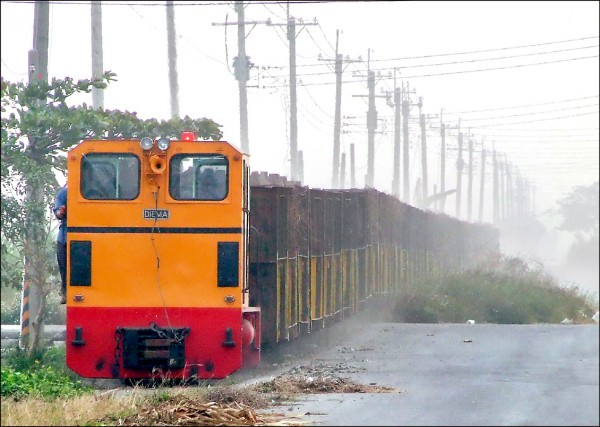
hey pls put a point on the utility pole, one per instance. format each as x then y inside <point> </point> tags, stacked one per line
<point>423,153</point>
<point>405,147</point>
<point>352,167</point>
<point>172,54</point>
<point>32,296</point>
<point>338,113</point>
<point>97,54</point>
<point>40,37</point>
<point>371,124</point>
<point>242,75</point>
<point>335,173</point>
<point>397,106</point>
<point>482,183</point>
<point>495,190</point>
<point>406,105</point>
<point>241,69</point>
<point>343,172</point>
<point>397,112</point>
<point>300,166</point>
<point>459,168</point>
<point>291,36</point>
<point>509,191</point>
<point>442,164</point>
<point>470,180</point>
<point>502,204</point>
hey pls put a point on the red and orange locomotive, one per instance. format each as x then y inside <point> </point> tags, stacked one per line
<point>157,260</point>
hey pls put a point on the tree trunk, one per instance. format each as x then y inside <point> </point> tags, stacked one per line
<point>35,268</point>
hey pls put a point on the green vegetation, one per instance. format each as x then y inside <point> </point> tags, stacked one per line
<point>509,292</point>
<point>44,375</point>
<point>11,307</point>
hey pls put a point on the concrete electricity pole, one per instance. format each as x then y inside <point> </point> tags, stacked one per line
<point>97,54</point>
<point>338,113</point>
<point>300,166</point>
<point>495,190</point>
<point>397,113</point>
<point>406,105</point>
<point>405,147</point>
<point>459,167</point>
<point>31,298</point>
<point>371,124</point>
<point>40,37</point>
<point>442,164</point>
<point>509,191</point>
<point>470,181</point>
<point>242,74</point>
<point>352,167</point>
<point>397,106</point>
<point>424,191</point>
<point>291,36</point>
<point>343,172</point>
<point>502,200</point>
<point>482,183</point>
<point>335,169</point>
<point>172,54</point>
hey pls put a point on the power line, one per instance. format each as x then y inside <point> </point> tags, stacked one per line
<point>10,69</point>
<point>521,114</point>
<point>538,120</point>
<point>485,50</point>
<point>528,114</point>
<point>468,52</point>
<point>520,106</point>
<point>483,59</point>
<point>455,62</point>
<point>498,68</point>
<point>464,71</point>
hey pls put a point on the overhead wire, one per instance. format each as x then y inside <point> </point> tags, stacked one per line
<point>463,62</point>
<point>463,71</point>
<point>520,106</point>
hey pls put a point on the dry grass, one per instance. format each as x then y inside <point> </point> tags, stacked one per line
<point>202,406</point>
<point>213,406</point>
<point>71,411</point>
<point>182,410</point>
<point>309,381</point>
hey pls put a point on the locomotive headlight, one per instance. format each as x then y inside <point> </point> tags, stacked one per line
<point>146,143</point>
<point>163,143</point>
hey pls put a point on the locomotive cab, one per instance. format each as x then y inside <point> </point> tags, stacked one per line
<point>157,262</point>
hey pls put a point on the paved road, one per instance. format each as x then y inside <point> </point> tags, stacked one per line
<point>452,374</point>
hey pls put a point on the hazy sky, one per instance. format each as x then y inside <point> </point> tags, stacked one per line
<point>543,118</point>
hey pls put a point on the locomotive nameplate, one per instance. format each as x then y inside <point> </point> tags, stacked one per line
<point>156,214</point>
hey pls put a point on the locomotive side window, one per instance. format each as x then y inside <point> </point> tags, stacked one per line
<point>198,177</point>
<point>110,176</point>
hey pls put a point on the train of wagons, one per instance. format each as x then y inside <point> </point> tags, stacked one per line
<point>182,264</point>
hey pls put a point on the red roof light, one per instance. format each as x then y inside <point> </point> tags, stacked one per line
<point>188,136</point>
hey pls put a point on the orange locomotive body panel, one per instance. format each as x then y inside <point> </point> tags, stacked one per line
<point>157,260</point>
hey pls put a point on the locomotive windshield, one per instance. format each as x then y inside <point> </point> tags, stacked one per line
<point>110,176</point>
<point>198,177</point>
